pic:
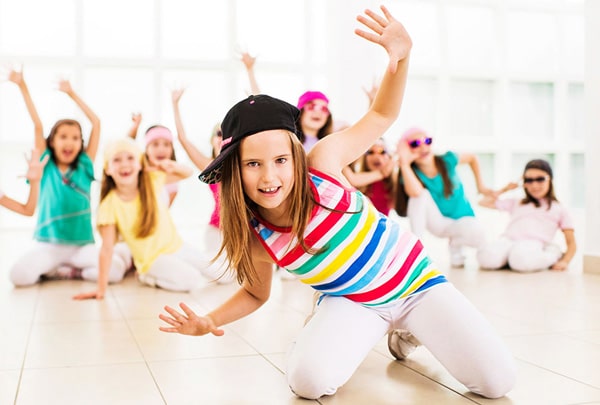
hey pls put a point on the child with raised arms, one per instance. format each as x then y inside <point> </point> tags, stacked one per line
<point>374,278</point>
<point>159,146</point>
<point>64,239</point>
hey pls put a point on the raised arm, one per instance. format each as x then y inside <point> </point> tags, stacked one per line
<point>489,200</point>
<point>136,119</point>
<point>92,145</point>
<point>38,130</point>
<point>34,175</point>
<point>175,170</point>
<point>338,150</point>
<point>245,301</point>
<point>410,182</point>
<point>361,179</point>
<point>199,159</point>
<point>249,62</point>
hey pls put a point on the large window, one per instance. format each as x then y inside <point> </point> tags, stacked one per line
<point>502,79</point>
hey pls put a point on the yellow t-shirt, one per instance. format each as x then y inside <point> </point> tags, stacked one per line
<point>165,239</point>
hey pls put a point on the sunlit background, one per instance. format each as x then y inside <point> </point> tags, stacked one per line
<point>503,79</point>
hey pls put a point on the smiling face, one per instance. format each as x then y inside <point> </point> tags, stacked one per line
<point>124,167</point>
<point>159,149</point>
<point>314,115</point>
<point>377,157</point>
<point>536,182</point>
<point>66,143</point>
<point>267,169</point>
<point>419,145</point>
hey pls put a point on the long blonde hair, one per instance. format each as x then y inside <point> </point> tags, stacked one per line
<point>237,210</point>
<point>148,218</point>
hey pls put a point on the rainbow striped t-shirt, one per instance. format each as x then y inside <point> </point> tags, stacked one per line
<point>367,257</point>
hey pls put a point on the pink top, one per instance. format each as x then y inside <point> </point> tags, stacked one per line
<point>529,222</point>
<point>379,196</point>
<point>215,217</point>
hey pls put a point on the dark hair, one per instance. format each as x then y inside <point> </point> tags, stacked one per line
<point>52,135</point>
<point>323,131</point>
<point>544,166</point>
<point>401,204</point>
<point>367,190</point>
<point>173,157</point>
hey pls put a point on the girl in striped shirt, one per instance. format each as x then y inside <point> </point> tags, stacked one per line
<point>374,278</point>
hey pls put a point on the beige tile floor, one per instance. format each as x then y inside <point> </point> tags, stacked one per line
<point>58,351</point>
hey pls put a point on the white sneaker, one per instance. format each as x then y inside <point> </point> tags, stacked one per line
<point>401,343</point>
<point>457,259</point>
<point>146,279</point>
<point>63,272</point>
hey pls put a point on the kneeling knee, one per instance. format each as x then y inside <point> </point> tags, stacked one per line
<point>309,384</point>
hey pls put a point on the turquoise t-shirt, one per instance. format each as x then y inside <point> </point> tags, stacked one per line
<point>456,205</point>
<point>64,209</point>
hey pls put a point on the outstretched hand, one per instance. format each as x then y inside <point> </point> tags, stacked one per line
<point>36,166</point>
<point>16,76</point>
<point>64,85</point>
<point>405,154</point>
<point>387,32</point>
<point>188,323</point>
<point>248,60</point>
<point>176,95</point>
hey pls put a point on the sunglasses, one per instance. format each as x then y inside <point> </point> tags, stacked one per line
<point>415,143</point>
<point>529,180</point>
<point>312,107</point>
<point>376,152</point>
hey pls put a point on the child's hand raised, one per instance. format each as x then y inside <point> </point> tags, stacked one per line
<point>404,153</point>
<point>65,86</point>
<point>176,95</point>
<point>16,76</point>
<point>389,33</point>
<point>36,167</point>
<point>248,60</point>
<point>188,323</point>
<point>167,165</point>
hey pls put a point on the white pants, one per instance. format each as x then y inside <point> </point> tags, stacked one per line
<point>341,333</point>
<point>424,215</point>
<point>521,255</point>
<point>184,270</point>
<point>44,257</point>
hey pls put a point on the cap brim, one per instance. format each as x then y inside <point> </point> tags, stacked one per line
<point>212,173</point>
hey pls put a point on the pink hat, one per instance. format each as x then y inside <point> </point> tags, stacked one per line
<point>413,131</point>
<point>310,96</point>
<point>158,132</point>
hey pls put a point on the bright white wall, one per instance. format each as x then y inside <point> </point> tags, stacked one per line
<point>500,78</point>
<point>592,167</point>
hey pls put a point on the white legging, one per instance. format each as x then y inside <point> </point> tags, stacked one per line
<point>44,257</point>
<point>341,333</point>
<point>521,255</point>
<point>424,215</point>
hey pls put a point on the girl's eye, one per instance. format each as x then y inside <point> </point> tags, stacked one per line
<point>281,160</point>
<point>252,164</point>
